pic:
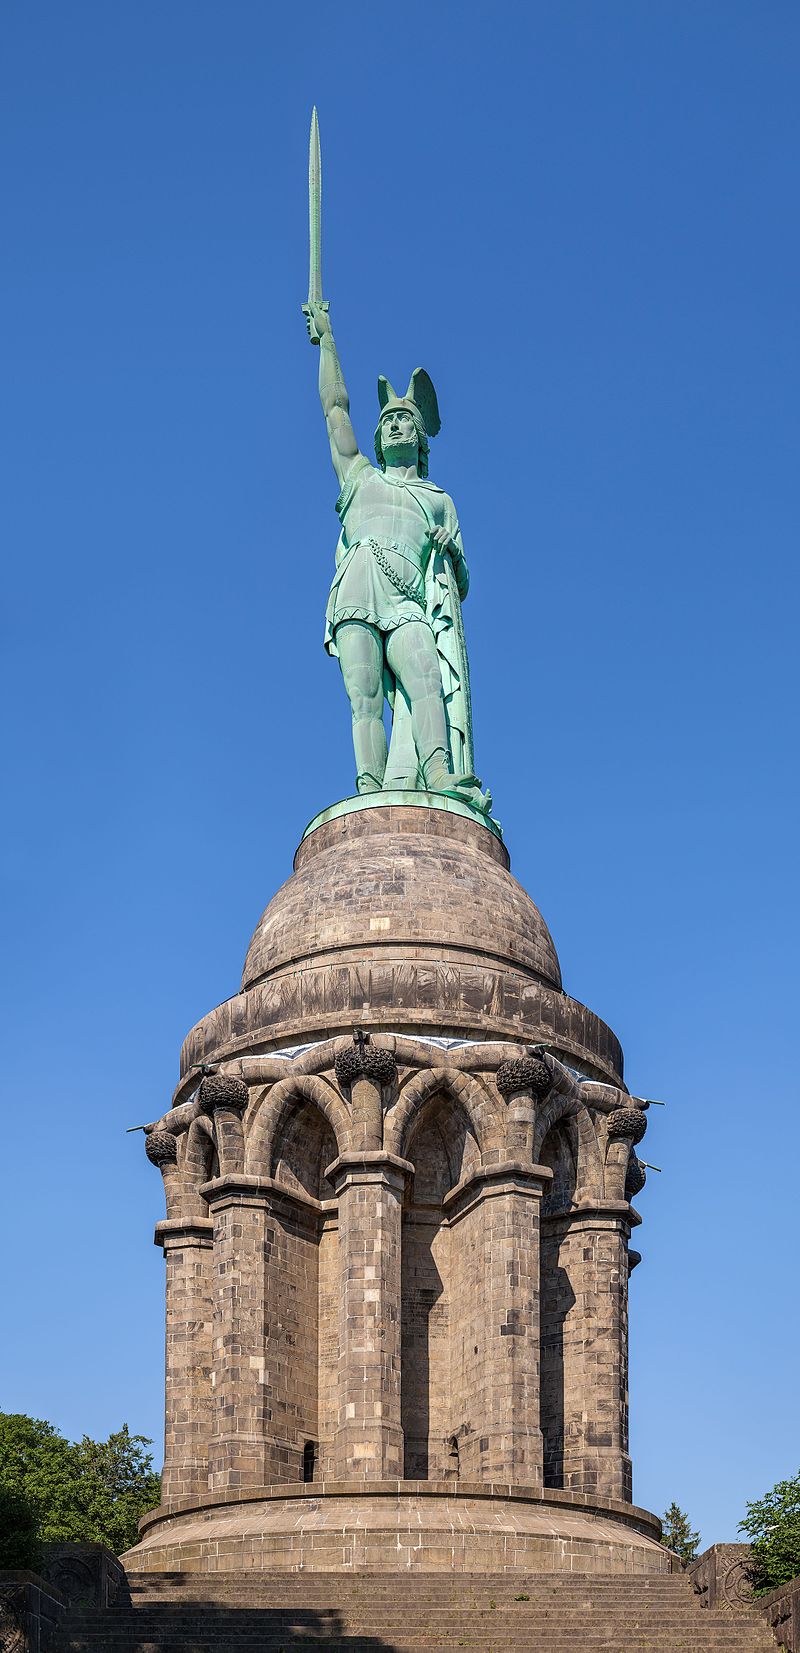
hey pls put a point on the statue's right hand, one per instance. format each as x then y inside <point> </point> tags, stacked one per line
<point>317,321</point>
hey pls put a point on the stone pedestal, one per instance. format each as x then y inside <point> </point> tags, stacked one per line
<point>409,1229</point>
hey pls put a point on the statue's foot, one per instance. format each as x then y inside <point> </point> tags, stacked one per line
<point>466,787</point>
<point>367,783</point>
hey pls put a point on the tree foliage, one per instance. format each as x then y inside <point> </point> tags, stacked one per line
<point>772,1524</point>
<point>19,1535</point>
<point>84,1491</point>
<point>677,1534</point>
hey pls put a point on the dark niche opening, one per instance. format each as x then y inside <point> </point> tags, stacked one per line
<point>309,1460</point>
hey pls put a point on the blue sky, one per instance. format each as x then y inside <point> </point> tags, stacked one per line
<point>582,219</point>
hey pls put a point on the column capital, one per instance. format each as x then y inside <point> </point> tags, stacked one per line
<point>609,1214</point>
<point>508,1176</point>
<point>172,1234</point>
<point>240,1189</point>
<point>372,1166</point>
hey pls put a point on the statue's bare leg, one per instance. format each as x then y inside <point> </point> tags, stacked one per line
<point>361,659</point>
<point>412,657</point>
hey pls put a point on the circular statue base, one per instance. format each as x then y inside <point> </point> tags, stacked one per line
<point>396,1526</point>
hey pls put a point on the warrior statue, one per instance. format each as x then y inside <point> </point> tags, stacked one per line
<point>394,611</point>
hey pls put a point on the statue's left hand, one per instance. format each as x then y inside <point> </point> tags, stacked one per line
<point>444,542</point>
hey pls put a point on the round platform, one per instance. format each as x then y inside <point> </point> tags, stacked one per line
<point>400,1526</point>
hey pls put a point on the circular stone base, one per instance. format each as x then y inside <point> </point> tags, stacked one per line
<point>445,801</point>
<point>400,1526</point>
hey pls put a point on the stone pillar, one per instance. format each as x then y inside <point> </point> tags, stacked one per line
<point>364,1072</point>
<point>224,1099</point>
<point>238,1454</point>
<point>523,1082</point>
<point>188,1401</point>
<point>500,1374</point>
<point>592,1261</point>
<point>369,1435</point>
<point>265,1331</point>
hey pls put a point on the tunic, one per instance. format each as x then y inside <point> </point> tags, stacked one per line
<point>389,583</point>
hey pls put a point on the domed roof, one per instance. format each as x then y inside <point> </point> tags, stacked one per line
<point>401,882</point>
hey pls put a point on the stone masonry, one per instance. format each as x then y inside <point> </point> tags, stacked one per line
<point>398,1172</point>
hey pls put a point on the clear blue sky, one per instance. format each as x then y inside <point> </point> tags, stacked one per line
<point>583,220</point>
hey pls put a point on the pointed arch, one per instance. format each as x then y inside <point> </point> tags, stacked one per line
<point>198,1164</point>
<point>267,1124</point>
<point>559,1107</point>
<point>485,1113</point>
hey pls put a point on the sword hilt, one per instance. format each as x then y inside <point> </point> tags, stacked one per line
<point>321,304</point>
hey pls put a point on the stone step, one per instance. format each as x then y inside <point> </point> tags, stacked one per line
<point>116,1625</point>
<point>624,1643</point>
<point>400,1589</point>
<point>404,1613</point>
<point>744,1636</point>
<point>666,1634</point>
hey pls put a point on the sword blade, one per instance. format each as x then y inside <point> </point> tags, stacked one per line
<point>314,213</point>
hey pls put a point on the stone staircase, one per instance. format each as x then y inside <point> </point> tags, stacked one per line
<point>357,1612</point>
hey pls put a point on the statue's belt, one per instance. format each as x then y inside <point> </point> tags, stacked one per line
<point>414,592</point>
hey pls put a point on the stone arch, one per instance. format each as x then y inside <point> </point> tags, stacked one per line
<point>436,1133</point>
<point>200,1162</point>
<point>589,1178</point>
<point>441,1144</point>
<point>560,1152</point>
<point>486,1115</point>
<point>302,1151</point>
<point>287,1094</point>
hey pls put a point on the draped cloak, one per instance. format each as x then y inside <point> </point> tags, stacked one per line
<point>446,585</point>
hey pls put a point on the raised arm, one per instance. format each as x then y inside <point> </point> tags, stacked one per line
<point>332,392</point>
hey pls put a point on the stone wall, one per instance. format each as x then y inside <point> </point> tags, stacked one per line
<point>721,1577</point>
<point>33,1606</point>
<point>31,1612</point>
<point>781,1609</point>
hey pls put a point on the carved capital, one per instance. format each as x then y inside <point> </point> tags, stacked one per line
<point>161,1148</point>
<point>627,1122</point>
<point>221,1090</point>
<point>526,1073</point>
<point>635,1179</point>
<point>363,1060</point>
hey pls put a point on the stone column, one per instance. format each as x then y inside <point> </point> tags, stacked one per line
<point>186,1240</point>
<point>502,1377</point>
<point>369,1435</point>
<point>238,1454</point>
<point>224,1099</point>
<point>265,1401</point>
<point>188,1401</point>
<point>593,1263</point>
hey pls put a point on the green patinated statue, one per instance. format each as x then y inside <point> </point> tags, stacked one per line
<point>394,610</point>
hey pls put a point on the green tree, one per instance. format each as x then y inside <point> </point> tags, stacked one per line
<point>119,1485</point>
<point>87,1491</point>
<point>19,1530</point>
<point>677,1534</point>
<point>772,1524</point>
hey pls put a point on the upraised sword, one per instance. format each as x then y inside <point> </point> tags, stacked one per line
<point>314,219</point>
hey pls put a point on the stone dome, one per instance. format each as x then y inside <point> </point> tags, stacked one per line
<point>402,917</point>
<point>404,881</point>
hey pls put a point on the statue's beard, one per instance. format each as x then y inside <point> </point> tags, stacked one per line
<point>401,453</point>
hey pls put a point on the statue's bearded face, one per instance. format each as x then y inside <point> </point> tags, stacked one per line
<point>399,439</point>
